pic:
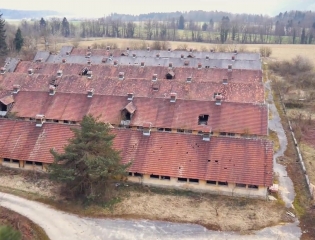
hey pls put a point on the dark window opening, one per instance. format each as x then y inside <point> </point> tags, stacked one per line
<point>154,176</point>
<point>188,131</point>
<point>3,107</point>
<point>29,162</point>
<point>140,128</point>
<point>155,88</point>
<point>6,160</point>
<point>55,120</point>
<point>84,72</point>
<point>212,182</point>
<point>193,180</point>
<point>200,133</point>
<point>160,129</point>
<point>207,66</point>
<point>182,179</point>
<point>222,183</point>
<point>231,134</point>
<point>168,129</point>
<point>125,115</point>
<point>38,164</point>
<point>180,130</point>
<point>165,178</point>
<point>66,121</point>
<point>138,174</point>
<point>240,185</point>
<point>169,76</point>
<point>203,119</point>
<point>15,161</point>
<point>222,133</point>
<point>130,174</point>
<point>253,186</point>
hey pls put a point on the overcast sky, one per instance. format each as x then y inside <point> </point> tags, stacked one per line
<point>96,8</point>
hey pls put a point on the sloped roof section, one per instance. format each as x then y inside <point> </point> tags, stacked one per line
<point>183,114</point>
<point>130,107</point>
<point>7,100</point>
<point>247,161</point>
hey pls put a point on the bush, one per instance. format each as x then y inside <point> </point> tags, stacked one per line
<point>265,51</point>
<point>9,233</point>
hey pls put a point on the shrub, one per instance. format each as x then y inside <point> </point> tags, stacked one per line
<point>265,51</point>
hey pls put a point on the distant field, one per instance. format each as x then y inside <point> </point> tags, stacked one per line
<point>279,51</point>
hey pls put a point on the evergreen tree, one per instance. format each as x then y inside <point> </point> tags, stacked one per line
<point>303,36</point>
<point>65,28</point>
<point>181,22</point>
<point>89,164</point>
<point>3,44</point>
<point>18,40</point>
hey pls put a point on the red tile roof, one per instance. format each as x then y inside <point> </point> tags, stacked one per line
<point>196,90</point>
<point>137,72</point>
<point>247,161</point>
<point>183,114</point>
<point>21,140</point>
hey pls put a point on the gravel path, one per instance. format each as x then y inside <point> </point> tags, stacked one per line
<point>62,226</point>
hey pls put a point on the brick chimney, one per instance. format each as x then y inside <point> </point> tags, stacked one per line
<point>146,128</point>
<point>218,99</point>
<point>148,49</point>
<point>199,65</point>
<point>233,58</point>
<point>170,65</point>
<point>115,63</point>
<point>206,134</point>
<point>173,97</point>
<point>142,64</point>
<point>64,60</point>
<point>52,90</point>
<point>230,67</point>
<point>90,92</point>
<point>121,75</point>
<point>59,73</point>
<point>2,70</point>
<point>130,96</point>
<point>40,119</point>
<point>89,74</point>
<point>16,88</point>
<point>30,71</point>
<point>154,77</point>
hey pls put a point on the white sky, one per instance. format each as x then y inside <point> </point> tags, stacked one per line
<point>96,8</point>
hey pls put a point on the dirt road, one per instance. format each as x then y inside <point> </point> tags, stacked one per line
<point>62,226</point>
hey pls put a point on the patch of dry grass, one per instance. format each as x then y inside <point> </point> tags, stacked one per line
<point>308,152</point>
<point>137,202</point>
<point>274,137</point>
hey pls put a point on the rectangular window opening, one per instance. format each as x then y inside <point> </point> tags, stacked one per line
<point>212,182</point>
<point>240,185</point>
<point>182,179</point>
<point>193,180</point>
<point>165,178</point>
<point>138,174</point>
<point>222,183</point>
<point>29,162</point>
<point>154,176</point>
<point>180,130</point>
<point>130,174</point>
<point>160,129</point>
<point>168,129</point>
<point>38,164</point>
<point>203,119</point>
<point>6,160</point>
<point>15,161</point>
<point>253,186</point>
<point>222,133</point>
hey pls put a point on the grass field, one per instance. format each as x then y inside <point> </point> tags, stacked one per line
<point>279,51</point>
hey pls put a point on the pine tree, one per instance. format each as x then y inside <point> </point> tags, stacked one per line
<point>89,164</point>
<point>181,22</point>
<point>65,27</point>
<point>18,40</point>
<point>3,44</point>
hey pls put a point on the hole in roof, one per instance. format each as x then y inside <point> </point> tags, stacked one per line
<point>209,160</point>
<point>216,160</point>
<point>178,167</point>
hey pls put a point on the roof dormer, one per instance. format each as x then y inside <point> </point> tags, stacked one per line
<point>173,97</point>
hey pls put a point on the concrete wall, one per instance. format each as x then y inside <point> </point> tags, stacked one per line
<point>202,186</point>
